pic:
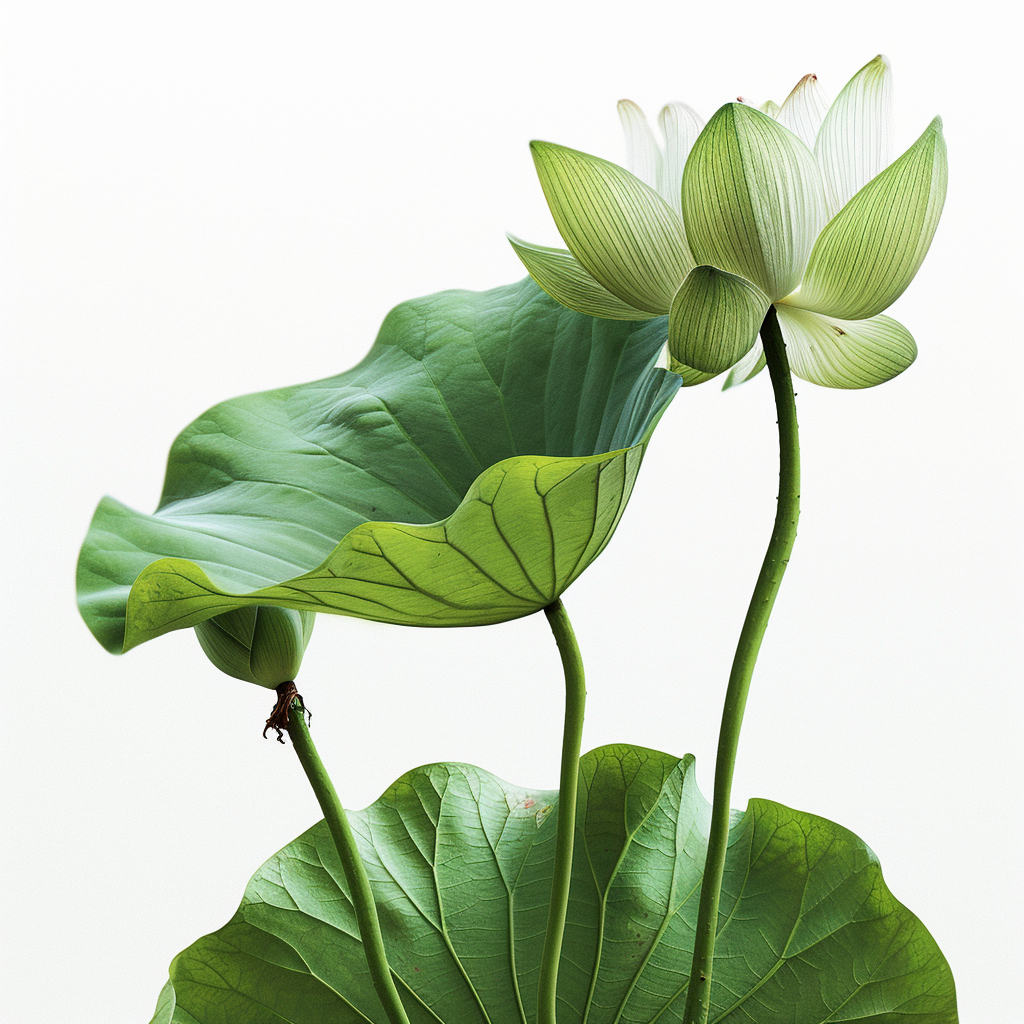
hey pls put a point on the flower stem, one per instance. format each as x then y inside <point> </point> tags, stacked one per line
<point>698,1002</point>
<point>351,862</point>
<point>572,737</point>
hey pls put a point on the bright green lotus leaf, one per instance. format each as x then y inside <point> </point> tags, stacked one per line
<point>465,472</point>
<point>461,863</point>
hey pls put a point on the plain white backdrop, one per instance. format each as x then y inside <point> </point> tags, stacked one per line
<point>207,199</point>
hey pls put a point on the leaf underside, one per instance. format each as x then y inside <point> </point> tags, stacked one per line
<point>461,863</point>
<point>465,472</point>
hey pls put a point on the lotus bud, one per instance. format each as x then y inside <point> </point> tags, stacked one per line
<point>261,645</point>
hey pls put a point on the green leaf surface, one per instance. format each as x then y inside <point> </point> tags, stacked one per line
<point>460,863</point>
<point>465,472</point>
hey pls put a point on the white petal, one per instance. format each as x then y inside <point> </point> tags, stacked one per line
<point>643,155</point>
<point>855,140</point>
<point>804,109</point>
<point>680,125</point>
<point>844,353</point>
<point>771,108</point>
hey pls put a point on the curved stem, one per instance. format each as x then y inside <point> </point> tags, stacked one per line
<point>572,737</point>
<point>355,873</point>
<point>776,558</point>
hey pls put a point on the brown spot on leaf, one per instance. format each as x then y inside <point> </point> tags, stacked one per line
<point>838,330</point>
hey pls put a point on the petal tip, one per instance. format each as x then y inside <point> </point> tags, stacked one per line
<point>674,105</point>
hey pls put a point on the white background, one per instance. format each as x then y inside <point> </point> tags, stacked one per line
<point>207,199</point>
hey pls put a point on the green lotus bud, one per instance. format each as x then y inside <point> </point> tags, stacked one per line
<point>261,645</point>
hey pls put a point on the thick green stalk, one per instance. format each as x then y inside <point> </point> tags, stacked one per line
<point>572,737</point>
<point>351,862</point>
<point>698,1002</point>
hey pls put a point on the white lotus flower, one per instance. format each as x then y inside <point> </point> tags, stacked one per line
<point>795,206</point>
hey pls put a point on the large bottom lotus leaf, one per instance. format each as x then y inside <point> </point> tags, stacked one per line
<point>461,868</point>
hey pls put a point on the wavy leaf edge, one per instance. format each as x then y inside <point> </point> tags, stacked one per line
<point>878,963</point>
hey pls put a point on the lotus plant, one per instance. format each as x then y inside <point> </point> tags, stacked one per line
<point>466,472</point>
<point>795,208</point>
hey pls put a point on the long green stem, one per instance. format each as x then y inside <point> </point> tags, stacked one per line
<point>698,1002</point>
<point>351,862</point>
<point>572,737</point>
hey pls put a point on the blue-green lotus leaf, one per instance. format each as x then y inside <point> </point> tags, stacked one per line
<point>465,472</point>
<point>461,867</point>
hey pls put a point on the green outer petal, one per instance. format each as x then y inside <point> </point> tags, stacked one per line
<point>714,320</point>
<point>622,232</point>
<point>522,535</point>
<point>689,376</point>
<point>844,353</point>
<point>747,368</point>
<point>855,140</point>
<point>752,199</point>
<point>562,277</point>
<point>804,109</point>
<point>460,864</point>
<point>871,250</point>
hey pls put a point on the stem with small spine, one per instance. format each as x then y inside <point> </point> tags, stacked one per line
<point>352,864</point>
<point>572,738</point>
<point>698,1002</point>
